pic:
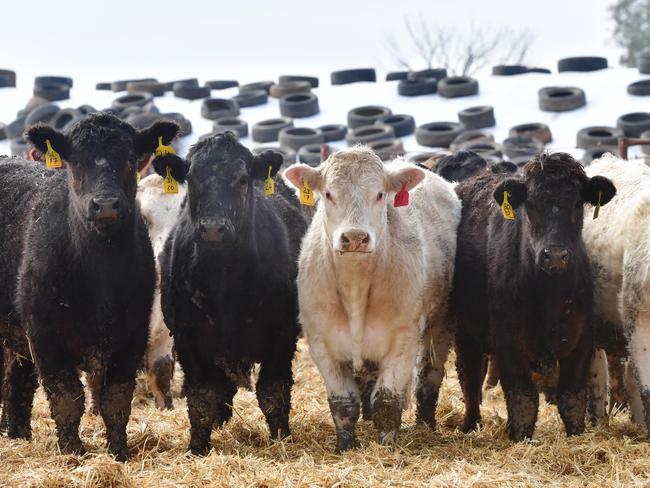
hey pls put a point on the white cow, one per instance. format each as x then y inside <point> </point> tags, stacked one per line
<point>373,285</point>
<point>160,211</point>
<point>618,243</point>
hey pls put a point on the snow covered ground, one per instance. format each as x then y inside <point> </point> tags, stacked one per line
<point>514,100</point>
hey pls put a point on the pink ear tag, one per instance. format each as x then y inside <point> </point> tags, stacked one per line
<point>401,198</point>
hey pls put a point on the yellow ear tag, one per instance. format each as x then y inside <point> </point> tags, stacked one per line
<point>52,158</point>
<point>138,177</point>
<point>306,195</point>
<point>506,208</point>
<point>161,150</point>
<point>170,185</point>
<point>269,184</point>
<point>597,209</point>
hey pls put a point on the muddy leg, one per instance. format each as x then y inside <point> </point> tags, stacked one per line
<point>597,387</point>
<point>572,386</point>
<point>366,381</point>
<point>202,399</point>
<point>66,396</point>
<point>94,381</point>
<point>21,385</point>
<point>469,364</point>
<point>492,373</point>
<point>616,366</point>
<point>159,375</point>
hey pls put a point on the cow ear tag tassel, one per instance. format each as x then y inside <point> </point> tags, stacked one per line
<point>401,197</point>
<point>170,185</point>
<point>52,158</point>
<point>306,195</point>
<point>506,208</point>
<point>269,185</point>
<point>162,149</point>
<point>597,209</point>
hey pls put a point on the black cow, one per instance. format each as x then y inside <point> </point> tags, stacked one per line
<point>523,289</point>
<point>76,274</point>
<point>228,285</point>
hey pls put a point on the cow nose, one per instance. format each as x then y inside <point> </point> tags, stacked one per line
<point>104,208</point>
<point>355,240</point>
<point>212,230</point>
<point>554,259</point>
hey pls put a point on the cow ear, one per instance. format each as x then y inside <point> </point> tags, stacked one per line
<point>516,192</point>
<point>407,177</point>
<point>259,169</point>
<point>39,134</point>
<point>298,173</point>
<point>599,185</point>
<point>178,167</point>
<point>147,139</point>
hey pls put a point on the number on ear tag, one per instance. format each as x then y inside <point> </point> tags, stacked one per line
<point>401,198</point>
<point>162,150</point>
<point>169,184</point>
<point>597,209</point>
<point>306,195</point>
<point>269,184</point>
<point>52,158</point>
<point>506,208</point>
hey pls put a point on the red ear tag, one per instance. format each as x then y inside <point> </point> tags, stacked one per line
<point>401,198</point>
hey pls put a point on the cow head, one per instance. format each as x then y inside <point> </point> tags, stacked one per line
<point>355,186</point>
<point>550,197</point>
<point>101,153</point>
<point>221,186</point>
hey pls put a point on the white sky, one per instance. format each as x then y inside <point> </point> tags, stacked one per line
<point>259,39</point>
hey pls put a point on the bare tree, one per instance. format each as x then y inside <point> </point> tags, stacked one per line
<point>461,53</point>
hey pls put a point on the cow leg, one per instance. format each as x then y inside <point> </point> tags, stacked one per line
<point>522,399</point>
<point>572,386</point>
<point>3,390</point>
<point>160,359</point>
<point>21,385</point>
<point>392,388</point>
<point>598,387</point>
<point>492,373</point>
<point>640,360</point>
<point>367,379</point>
<point>634,395</point>
<point>470,359</point>
<point>342,394</point>
<point>616,365</point>
<point>430,372</point>
<point>94,381</point>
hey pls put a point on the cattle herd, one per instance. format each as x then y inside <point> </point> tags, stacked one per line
<point>540,275</point>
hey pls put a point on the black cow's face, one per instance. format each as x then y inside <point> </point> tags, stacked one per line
<point>221,187</point>
<point>550,199</point>
<point>102,153</point>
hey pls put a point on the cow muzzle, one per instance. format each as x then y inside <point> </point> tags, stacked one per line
<point>354,240</point>
<point>105,209</point>
<point>554,259</point>
<point>213,231</point>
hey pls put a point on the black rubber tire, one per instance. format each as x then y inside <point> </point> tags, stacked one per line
<point>478,117</point>
<point>87,109</point>
<point>402,124</point>
<point>3,131</point>
<point>132,100</point>
<point>438,134</point>
<point>347,76</point>
<point>258,85</point>
<point>31,104</point>
<point>645,149</point>
<point>142,120</point>
<point>7,78</point>
<point>582,63</point>
<point>299,105</point>
<point>536,130</point>
<point>366,115</point>
<point>52,91</point>
<point>397,75</point>
<point>508,70</point>
<point>367,133</point>
<point>420,157</point>
<point>278,90</point>
<point>561,98</point>
<point>251,98</point>
<point>520,148</point>
<point>596,152</point>
<point>296,137</point>
<point>232,124</point>
<point>184,123</point>
<point>169,85</point>
<point>387,149</point>
<point>217,108</point>
<point>417,87</point>
<point>483,147</point>
<point>191,92</point>
<point>334,132</point>
<point>156,89</point>
<point>644,64</point>
<point>42,113</point>
<point>15,129</point>
<point>639,88</point>
<point>269,129</point>
<point>311,154</point>
<point>221,84</point>
<point>435,73</point>
<point>457,86</point>
<point>597,136</point>
<point>474,136</point>
<point>65,119</point>
<point>544,71</point>
<point>288,155</point>
<point>312,80</point>
<point>48,80</point>
<point>120,85</point>
<point>103,85</point>
<point>634,123</point>
<point>18,146</point>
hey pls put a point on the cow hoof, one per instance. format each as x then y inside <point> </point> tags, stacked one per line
<point>388,438</point>
<point>342,446</point>
<point>470,425</point>
<point>73,447</point>
<point>280,433</point>
<point>121,454</point>
<point>426,420</point>
<point>199,448</point>
<point>24,432</point>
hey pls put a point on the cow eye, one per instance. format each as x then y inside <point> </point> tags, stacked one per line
<point>243,181</point>
<point>380,195</point>
<point>328,195</point>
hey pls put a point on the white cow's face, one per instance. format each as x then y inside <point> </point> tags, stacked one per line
<point>354,188</point>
